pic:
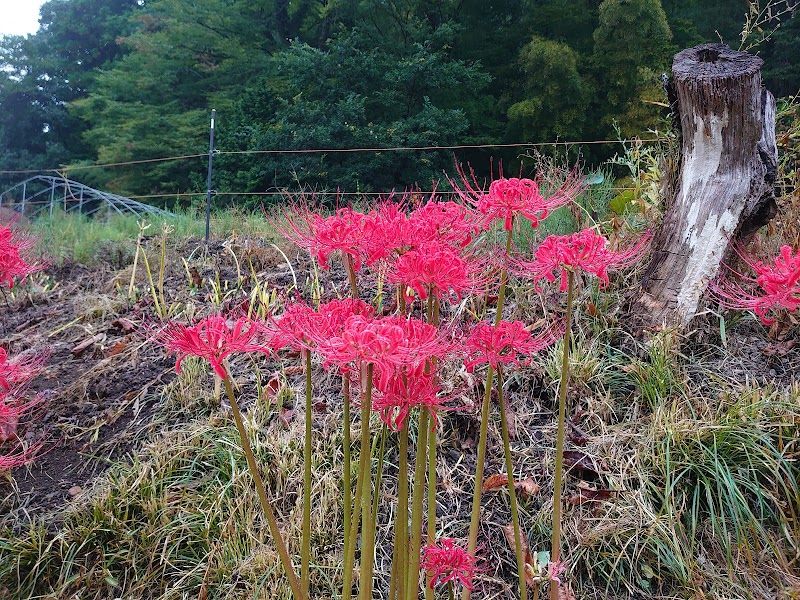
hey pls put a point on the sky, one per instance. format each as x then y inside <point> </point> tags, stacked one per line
<point>19,17</point>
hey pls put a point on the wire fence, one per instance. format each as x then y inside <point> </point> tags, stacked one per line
<point>566,143</point>
<point>57,177</point>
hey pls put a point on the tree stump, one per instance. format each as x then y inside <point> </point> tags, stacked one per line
<point>725,184</point>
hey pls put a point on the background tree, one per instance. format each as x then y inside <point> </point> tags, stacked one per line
<point>631,48</point>
<point>556,96</point>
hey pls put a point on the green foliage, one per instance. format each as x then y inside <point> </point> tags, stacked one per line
<point>557,97</point>
<point>351,94</point>
<point>631,47</point>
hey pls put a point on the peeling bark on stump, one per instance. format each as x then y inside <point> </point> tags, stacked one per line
<point>725,186</point>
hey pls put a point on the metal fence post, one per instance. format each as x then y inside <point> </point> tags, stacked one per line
<point>208,179</point>
<point>52,195</point>
<point>24,193</point>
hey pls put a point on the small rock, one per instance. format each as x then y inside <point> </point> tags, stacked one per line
<point>75,490</point>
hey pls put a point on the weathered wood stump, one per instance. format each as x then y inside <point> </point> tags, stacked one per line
<point>725,184</point>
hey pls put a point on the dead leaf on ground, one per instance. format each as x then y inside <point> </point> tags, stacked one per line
<point>294,370</point>
<point>272,389</point>
<point>286,416</point>
<point>320,407</point>
<point>576,435</point>
<point>530,564</point>
<point>527,487</point>
<point>578,461</point>
<point>123,324</point>
<point>495,482</point>
<point>779,349</point>
<point>116,348</point>
<point>585,495</point>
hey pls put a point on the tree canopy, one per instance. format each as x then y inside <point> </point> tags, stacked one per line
<point>122,80</point>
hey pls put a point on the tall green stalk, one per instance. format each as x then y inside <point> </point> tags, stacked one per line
<point>286,561</point>
<point>555,553</point>
<point>365,474</point>
<point>476,497</point>
<point>347,475</point>
<point>412,578</point>
<point>305,550</point>
<point>512,492</point>
<point>433,319</point>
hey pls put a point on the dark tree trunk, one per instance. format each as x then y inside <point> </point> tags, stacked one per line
<point>725,184</point>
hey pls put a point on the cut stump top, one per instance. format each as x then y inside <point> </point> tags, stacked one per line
<point>714,61</point>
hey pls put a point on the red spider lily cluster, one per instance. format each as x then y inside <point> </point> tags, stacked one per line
<point>446,562</point>
<point>585,251</point>
<point>16,373</point>
<point>431,254</point>
<point>776,285</point>
<point>16,262</point>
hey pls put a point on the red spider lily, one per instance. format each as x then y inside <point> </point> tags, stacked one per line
<point>779,282</point>
<point>505,343</point>
<point>20,370</point>
<point>448,222</point>
<point>213,339</point>
<point>20,455</point>
<point>388,231</point>
<point>447,562</point>
<point>14,260</point>
<point>508,198</point>
<point>437,268</point>
<point>322,236</point>
<point>300,325</point>
<point>397,392</point>
<point>582,251</point>
<point>387,342</point>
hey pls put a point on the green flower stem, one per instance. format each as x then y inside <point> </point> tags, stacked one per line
<point>412,581</point>
<point>347,476</point>
<point>286,561</point>
<point>512,492</point>
<point>305,551</point>
<point>555,553</point>
<point>401,533</point>
<point>433,319</point>
<point>476,497</point>
<point>365,474</point>
<point>379,475</point>
<point>451,595</point>
<point>349,557</point>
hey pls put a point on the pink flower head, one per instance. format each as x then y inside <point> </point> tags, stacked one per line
<point>511,197</point>
<point>448,222</point>
<point>387,342</point>
<point>20,370</point>
<point>779,284</point>
<point>438,268</point>
<point>387,231</point>
<point>322,236</point>
<point>399,391</point>
<point>505,344</point>
<point>214,339</point>
<point>583,251</point>
<point>447,562</point>
<point>301,327</point>
<point>365,340</point>
<point>15,262</point>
